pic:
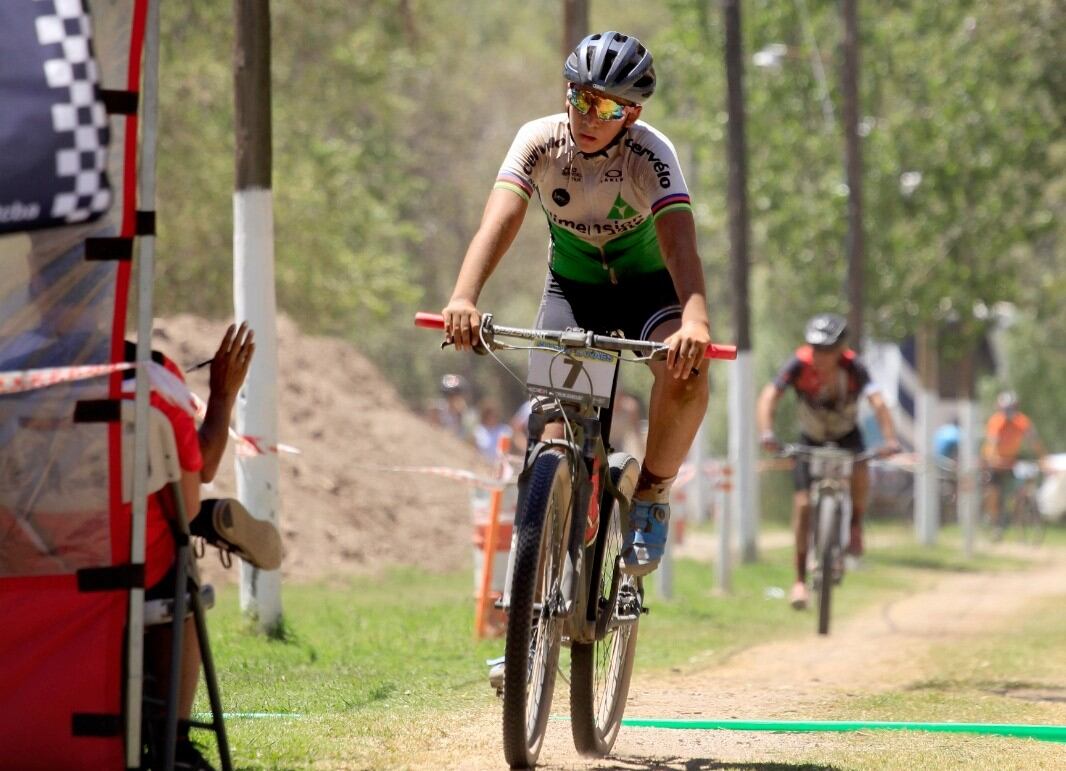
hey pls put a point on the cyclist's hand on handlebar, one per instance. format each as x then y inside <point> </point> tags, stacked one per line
<point>770,444</point>
<point>890,448</point>
<point>686,348</point>
<point>462,324</point>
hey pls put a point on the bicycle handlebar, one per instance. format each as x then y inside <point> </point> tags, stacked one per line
<point>791,450</point>
<point>571,337</point>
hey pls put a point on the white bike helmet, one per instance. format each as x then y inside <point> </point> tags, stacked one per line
<point>616,64</point>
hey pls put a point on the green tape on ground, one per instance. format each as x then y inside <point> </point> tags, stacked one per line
<point>1047,733</point>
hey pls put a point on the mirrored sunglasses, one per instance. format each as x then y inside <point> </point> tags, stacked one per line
<point>606,108</point>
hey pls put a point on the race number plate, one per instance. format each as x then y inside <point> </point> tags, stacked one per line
<point>571,374</point>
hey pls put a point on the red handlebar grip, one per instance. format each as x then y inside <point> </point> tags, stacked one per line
<point>430,320</point>
<point>716,351</point>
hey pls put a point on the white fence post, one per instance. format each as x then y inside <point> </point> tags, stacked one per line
<point>723,481</point>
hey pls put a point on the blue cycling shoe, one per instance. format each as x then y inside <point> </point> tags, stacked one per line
<point>645,541</point>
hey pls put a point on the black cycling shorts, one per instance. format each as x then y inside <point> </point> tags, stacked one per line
<point>801,472</point>
<point>635,306</point>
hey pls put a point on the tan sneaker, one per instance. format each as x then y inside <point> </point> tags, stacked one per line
<point>225,523</point>
<point>798,597</point>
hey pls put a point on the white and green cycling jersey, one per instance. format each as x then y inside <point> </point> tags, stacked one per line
<point>601,208</point>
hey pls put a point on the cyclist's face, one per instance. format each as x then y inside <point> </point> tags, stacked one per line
<point>591,132</point>
<point>825,359</point>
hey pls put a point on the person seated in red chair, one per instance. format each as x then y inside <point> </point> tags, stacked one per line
<point>224,523</point>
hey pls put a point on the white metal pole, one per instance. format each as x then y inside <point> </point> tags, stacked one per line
<point>697,498</point>
<point>926,499</point>
<point>666,572</point>
<point>254,301</point>
<point>966,470</point>
<point>722,482</point>
<point>145,277</point>
<point>745,494</point>
<point>253,292</point>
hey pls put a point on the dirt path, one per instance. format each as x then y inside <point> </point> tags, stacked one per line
<point>881,649</point>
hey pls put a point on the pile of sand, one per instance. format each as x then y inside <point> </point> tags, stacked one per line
<point>337,516</point>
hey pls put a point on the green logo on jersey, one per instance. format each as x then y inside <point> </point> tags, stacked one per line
<point>621,210</point>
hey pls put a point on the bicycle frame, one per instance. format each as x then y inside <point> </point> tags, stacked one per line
<point>587,453</point>
<point>588,459</point>
<point>565,591</point>
<point>831,470</point>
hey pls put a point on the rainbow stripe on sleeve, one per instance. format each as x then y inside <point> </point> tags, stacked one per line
<point>509,181</point>
<point>675,202</point>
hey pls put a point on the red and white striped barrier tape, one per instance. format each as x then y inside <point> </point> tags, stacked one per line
<point>18,381</point>
<point>506,474</point>
<point>162,381</point>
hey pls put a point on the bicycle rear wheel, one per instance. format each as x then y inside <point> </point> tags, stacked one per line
<point>533,626</point>
<point>600,671</point>
<point>1033,524</point>
<point>828,540</point>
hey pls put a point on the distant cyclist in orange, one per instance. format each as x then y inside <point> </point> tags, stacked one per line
<point>1007,433</point>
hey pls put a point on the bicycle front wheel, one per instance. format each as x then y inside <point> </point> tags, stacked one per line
<point>1033,524</point>
<point>533,625</point>
<point>828,540</point>
<point>600,671</point>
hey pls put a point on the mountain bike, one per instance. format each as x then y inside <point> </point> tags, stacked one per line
<point>1018,506</point>
<point>565,585</point>
<point>830,522</point>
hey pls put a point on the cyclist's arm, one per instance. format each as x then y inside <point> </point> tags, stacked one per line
<point>884,419</point>
<point>765,408</point>
<point>503,215</point>
<point>1036,442</point>
<point>676,231</point>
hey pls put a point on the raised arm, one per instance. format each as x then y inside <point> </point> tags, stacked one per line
<point>884,421</point>
<point>764,416</point>
<point>228,370</point>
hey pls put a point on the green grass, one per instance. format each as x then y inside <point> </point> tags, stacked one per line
<point>365,664</point>
<point>1018,675</point>
<point>355,662</point>
<point>1013,676</point>
<point>704,626</point>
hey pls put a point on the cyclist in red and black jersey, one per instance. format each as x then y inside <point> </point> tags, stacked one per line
<point>829,382</point>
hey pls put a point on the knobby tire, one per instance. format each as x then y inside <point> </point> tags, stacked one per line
<point>596,713</point>
<point>533,639</point>
<point>828,537</point>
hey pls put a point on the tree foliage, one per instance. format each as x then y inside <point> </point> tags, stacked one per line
<point>390,120</point>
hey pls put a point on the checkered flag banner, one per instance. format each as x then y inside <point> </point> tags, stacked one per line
<point>54,130</point>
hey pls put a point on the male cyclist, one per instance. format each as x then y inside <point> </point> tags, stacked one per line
<point>828,380</point>
<point>622,253</point>
<point>1007,433</point>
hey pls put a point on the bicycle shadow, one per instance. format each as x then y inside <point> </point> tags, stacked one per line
<point>918,562</point>
<point>633,763</point>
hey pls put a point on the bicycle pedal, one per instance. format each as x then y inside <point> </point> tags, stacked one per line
<point>496,673</point>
